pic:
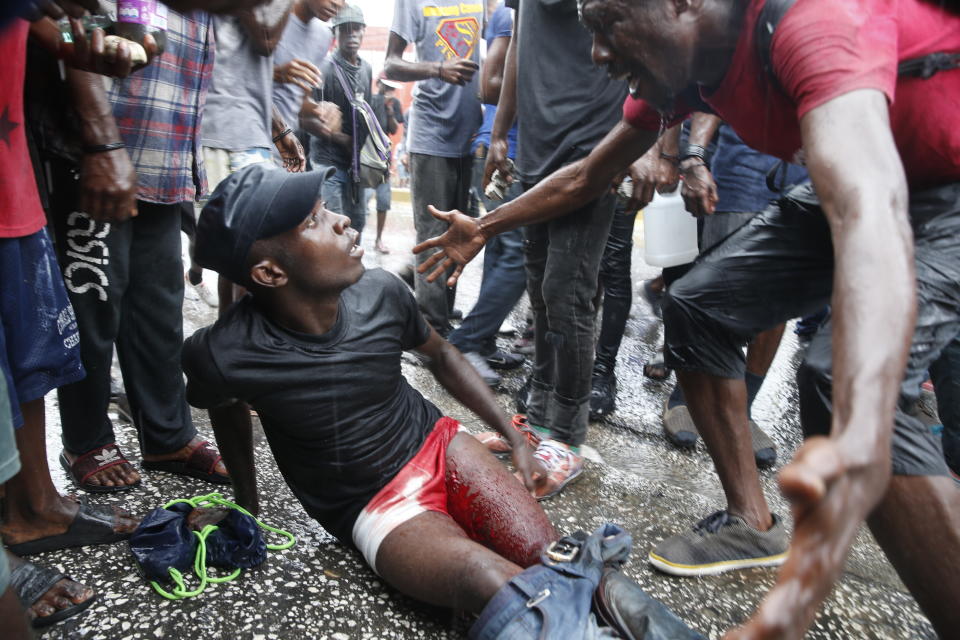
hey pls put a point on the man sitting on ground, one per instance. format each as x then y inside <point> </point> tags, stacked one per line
<point>315,348</point>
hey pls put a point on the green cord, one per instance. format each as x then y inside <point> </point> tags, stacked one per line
<point>180,590</point>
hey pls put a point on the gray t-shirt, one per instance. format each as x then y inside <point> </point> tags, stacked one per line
<point>308,41</point>
<point>565,104</point>
<point>444,116</point>
<point>239,108</point>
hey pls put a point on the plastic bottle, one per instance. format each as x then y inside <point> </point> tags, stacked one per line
<point>670,232</point>
<point>137,18</point>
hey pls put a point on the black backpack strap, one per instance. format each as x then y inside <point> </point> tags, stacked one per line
<point>926,66</point>
<point>770,16</point>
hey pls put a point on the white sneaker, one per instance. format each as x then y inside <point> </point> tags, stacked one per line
<point>207,294</point>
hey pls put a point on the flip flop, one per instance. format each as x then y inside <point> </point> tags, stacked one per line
<point>31,582</point>
<point>201,464</point>
<point>93,462</point>
<point>656,370</point>
<point>93,524</point>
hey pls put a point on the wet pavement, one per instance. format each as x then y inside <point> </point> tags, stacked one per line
<point>320,589</point>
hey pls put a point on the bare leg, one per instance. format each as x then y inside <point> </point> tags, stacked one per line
<point>14,619</point>
<point>492,506</point>
<point>34,507</point>
<point>381,221</point>
<point>719,409</point>
<point>763,349</point>
<point>430,558</point>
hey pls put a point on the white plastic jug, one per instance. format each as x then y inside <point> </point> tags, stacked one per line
<point>670,232</point>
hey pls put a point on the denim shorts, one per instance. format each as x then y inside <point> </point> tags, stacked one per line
<point>39,341</point>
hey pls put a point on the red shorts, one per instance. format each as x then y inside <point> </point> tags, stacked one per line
<point>418,487</point>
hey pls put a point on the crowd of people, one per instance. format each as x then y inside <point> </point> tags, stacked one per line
<point>815,140</point>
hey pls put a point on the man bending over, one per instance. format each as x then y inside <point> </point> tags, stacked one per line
<point>315,348</point>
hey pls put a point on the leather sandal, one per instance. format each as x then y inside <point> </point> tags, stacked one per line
<point>201,464</point>
<point>93,524</point>
<point>93,462</point>
<point>31,583</point>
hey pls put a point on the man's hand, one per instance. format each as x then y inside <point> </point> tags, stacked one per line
<point>322,119</point>
<point>291,152</point>
<point>699,188</point>
<point>92,52</point>
<point>458,245</point>
<point>108,186</point>
<point>651,173</point>
<point>302,73</point>
<point>56,9</point>
<point>459,71</point>
<point>497,160</point>
<point>528,468</point>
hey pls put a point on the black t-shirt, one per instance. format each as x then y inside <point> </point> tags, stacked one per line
<point>340,417</point>
<point>327,151</point>
<point>565,104</point>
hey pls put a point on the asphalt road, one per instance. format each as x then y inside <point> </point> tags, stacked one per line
<point>319,589</point>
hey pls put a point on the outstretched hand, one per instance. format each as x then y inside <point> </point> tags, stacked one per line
<point>458,245</point>
<point>831,487</point>
<point>528,468</point>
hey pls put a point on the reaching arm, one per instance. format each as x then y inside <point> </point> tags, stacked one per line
<point>458,376</point>
<point>289,148</point>
<point>833,483</point>
<point>565,190</point>
<point>459,71</point>
<point>265,24</point>
<point>234,433</point>
<point>389,109</point>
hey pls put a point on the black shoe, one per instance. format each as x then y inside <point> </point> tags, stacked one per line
<point>522,397</point>
<point>455,314</point>
<point>603,396</point>
<point>501,359</point>
<point>621,604</point>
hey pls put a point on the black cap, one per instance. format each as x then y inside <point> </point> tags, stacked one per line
<point>258,201</point>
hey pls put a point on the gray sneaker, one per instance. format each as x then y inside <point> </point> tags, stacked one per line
<point>721,542</point>
<point>479,362</point>
<point>679,427</point>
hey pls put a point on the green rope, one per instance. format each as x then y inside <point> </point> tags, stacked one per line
<point>180,590</point>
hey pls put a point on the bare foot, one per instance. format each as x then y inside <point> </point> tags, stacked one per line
<point>183,454</point>
<point>116,476</point>
<point>380,247</point>
<point>831,492</point>
<point>53,520</point>
<point>64,594</point>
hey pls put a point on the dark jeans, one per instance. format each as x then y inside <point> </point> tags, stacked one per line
<point>445,184</point>
<point>126,285</point>
<point>779,266</point>
<point>945,373</point>
<point>617,288</point>
<point>563,263</point>
<point>504,279</point>
<point>341,196</point>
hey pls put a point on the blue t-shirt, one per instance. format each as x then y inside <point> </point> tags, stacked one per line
<point>500,25</point>
<point>444,116</point>
<point>741,175</point>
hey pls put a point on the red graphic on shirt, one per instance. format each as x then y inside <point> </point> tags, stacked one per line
<point>458,36</point>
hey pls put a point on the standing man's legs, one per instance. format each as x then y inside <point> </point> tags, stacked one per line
<point>384,196</point>
<point>445,184</point>
<point>617,297</point>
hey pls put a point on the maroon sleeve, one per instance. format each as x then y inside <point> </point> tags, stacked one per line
<point>825,49</point>
<point>640,115</point>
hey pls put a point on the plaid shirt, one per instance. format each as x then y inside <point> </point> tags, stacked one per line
<point>158,112</point>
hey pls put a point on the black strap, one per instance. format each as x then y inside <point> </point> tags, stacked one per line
<point>773,12</point>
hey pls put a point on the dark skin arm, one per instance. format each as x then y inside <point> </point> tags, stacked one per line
<point>265,24</point>
<point>699,188</point>
<point>320,119</point>
<point>563,191</point>
<point>458,376</point>
<point>458,71</point>
<point>654,172</point>
<point>505,116</point>
<point>108,182</point>
<point>834,482</point>
<point>234,433</point>
<point>89,53</point>
<point>287,144</point>
<point>392,125</point>
<point>491,77</point>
